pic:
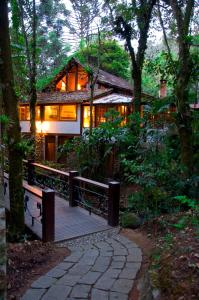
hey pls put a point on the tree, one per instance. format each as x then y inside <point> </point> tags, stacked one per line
<point>131,21</point>
<point>13,131</point>
<point>183,12</point>
<point>52,18</point>
<point>113,58</point>
<point>85,12</point>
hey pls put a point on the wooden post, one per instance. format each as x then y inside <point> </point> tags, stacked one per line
<point>31,171</point>
<point>72,192</point>
<point>113,203</point>
<point>48,215</point>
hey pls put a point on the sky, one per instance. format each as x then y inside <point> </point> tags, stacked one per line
<point>154,35</point>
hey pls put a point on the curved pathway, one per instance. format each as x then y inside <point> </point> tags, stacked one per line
<point>103,270</point>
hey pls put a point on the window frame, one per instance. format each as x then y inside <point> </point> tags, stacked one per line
<point>59,112</point>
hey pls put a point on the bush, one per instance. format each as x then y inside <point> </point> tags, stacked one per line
<point>130,220</point>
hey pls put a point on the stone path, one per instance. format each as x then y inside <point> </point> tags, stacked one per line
<point>102,270</point>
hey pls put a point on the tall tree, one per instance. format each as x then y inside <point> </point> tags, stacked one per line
<point>28,18</point>
<point>83,16</point>
<point>13,132</point>
<point>131,20</point>
<point>183,12</point>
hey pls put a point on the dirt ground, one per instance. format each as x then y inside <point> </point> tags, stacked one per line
<point>28,261</point>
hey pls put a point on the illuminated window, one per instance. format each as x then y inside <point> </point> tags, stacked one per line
<point>61,85</point>
<point>73,81</point>
<point>51,113</point>
<point>37,113</point>
<point>86,117</point>
<point>24,113</point>
<point>68,113</point>
<point>122,109</point>
<point>101,110</point>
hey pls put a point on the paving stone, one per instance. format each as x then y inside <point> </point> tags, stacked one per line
<point>106,253</point>
<point>122,285</point>
<point>88,260</point>
<point>43,282</point>
<point>112,273</point>
<point>120,251</point>
<point>118,296</point>
<point>65,265</point>
<point>90,277</point>
<point>117,264</point>
<point>79,269</point>
<point>99,267</point>
<point>99,295</point>
<point>57,292</point>
<point>104,283</point>
<point>128,273</point>
<point>102,271</point>
<point>80,291</point>
<point>33,294</point>
<point>74,257</point>
<point>56,272</point>
<point>135,265</point>
<point>135,256</point>
<point>68,279</point>
<point>119,258</point>
<point>103,260</point>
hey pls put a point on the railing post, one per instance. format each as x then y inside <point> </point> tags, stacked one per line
<point>72,192</point>
<point>31,171</point>
<point>48,215</point>
<point>113,203</point>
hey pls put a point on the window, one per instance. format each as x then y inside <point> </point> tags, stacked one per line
<point>86,117</point>
<point>68,113</point>
<point>122,109</point>
<point>37,113</point>
<point>76,79</point>
<point>24,113</point>
<point>51,113</point>
<point>101,110</point>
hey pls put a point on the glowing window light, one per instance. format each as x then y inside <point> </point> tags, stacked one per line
<point>42,127</point>
<point>79,87</point>
<point>63,86</point>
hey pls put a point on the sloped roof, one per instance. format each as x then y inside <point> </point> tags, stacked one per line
<point>113,99</point>
<point>69,97</point>
<point>103,78</point>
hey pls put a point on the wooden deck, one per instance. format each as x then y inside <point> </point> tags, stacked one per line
<point>70,222</point>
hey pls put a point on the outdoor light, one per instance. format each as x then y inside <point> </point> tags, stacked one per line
<point>79,87</point>
<point>63,86</point>
<point>42,127</point>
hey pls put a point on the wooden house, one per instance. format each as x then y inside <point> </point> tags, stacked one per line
<point>63,106</point>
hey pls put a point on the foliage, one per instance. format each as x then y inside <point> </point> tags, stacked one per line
<point>130,220</point>
<point>92,151</point>
<point>113,57</point>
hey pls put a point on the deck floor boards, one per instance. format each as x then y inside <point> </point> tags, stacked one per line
<point>70,222</point>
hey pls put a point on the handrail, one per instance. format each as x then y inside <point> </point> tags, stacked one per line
<point>50,169</point>
<point>33,190</point>
<point>93,182</point>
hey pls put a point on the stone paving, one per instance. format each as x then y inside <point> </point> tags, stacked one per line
<point>102,270</point>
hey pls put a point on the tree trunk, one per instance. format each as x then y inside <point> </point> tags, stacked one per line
<point>183,19</point>
<point>33,71</point>
<point>137,89</point>
<point>13,132</point>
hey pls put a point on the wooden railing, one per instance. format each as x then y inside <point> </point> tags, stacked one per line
<point>45,200</point>
<point>96,197</point>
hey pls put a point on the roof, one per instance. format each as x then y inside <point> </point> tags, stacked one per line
<point>114,81</point>
<point>69,97</point>
<point>103,78</point>
<point>194,106</point>
<point>113,99</point>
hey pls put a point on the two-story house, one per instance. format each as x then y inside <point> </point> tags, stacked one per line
<point>63,106</point>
